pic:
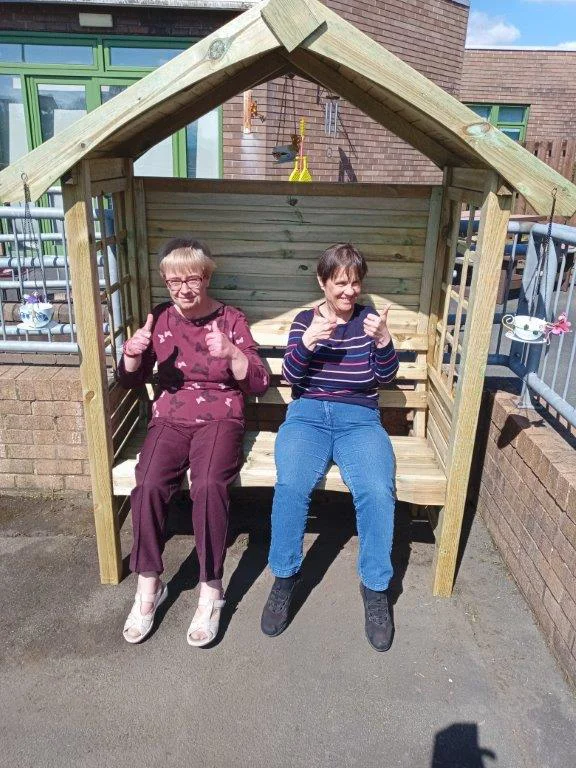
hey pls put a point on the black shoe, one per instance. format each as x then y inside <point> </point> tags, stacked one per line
<point>275,614</point>
<point>379,626</point>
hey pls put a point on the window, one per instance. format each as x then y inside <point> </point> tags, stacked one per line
<point>48,82</point>
<point>33,53</point>
<point>141,58</point>
<point>13,142</point>
<point>511,119</point>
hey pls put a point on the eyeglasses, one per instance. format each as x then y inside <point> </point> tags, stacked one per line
<point>176,283</point>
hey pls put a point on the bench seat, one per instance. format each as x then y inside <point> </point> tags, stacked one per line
<point>419,478</point>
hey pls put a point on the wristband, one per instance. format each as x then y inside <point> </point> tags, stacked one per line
<point>125,351</point>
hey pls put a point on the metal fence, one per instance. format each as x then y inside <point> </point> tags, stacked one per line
<point>36,262</point>
<point>546,291</point>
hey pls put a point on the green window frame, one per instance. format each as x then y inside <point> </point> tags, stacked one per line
<point>496,115</point>
<point>101,72</point>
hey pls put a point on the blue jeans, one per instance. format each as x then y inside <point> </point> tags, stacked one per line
<point>315,433</point>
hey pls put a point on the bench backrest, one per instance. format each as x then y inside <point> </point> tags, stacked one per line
<point>266,238</point>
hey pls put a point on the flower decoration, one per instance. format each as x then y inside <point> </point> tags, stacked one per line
<point>560,326</point>
<point>33,298</point>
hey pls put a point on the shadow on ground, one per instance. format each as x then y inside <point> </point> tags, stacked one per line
<point>331,520</point>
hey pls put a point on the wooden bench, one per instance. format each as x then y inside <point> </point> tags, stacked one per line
<point>266,238</point>
<point>419,477</point>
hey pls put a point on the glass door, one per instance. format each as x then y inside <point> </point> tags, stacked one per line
<point>157,161</point>
<point>13,133</point>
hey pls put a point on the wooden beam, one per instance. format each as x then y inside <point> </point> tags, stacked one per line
<point>387,398</point>
<point>490,247</point>
<point>292,21</point>
<point>429,268</point>
<point>245,36</point>
<point>132,244</point>
<point>480,142</point>
<point>88,318</point>
<point>327,75</point>
<point>142,253</point>
<point>286,188</point>
<point>248,77</point>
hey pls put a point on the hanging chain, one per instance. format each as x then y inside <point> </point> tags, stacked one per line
<point>294,108</point>
<point>29,236</point>
<point>542,263</point>
<point>282,117</point>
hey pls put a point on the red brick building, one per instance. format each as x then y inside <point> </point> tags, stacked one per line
<point>539,80</point>
<point>107,44</point>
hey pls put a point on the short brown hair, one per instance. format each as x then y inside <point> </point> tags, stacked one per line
<point>184,253</point>
<point>341,256</point>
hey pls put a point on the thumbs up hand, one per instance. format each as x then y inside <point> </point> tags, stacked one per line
<point>376,326</point>
<point>140,342</point>
<point>219,345</point>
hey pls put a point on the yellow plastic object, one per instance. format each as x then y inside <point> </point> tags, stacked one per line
<point>295,175</point>
<point>305,174</point>
<point>301,172</point>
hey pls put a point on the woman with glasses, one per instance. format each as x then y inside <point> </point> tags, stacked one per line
<point>207,360</point>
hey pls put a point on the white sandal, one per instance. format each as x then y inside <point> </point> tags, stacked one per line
<point>206,623</point>
<point>142,623</point>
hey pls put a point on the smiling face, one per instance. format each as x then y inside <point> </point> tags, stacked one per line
<point>341,291</point>
<point>188,291</point>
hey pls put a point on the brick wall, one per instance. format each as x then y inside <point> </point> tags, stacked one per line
<point>427,35</point>
<point>128,20</point>
<point>527,498</point>
<point>546,80</point>
<point>42,438</point>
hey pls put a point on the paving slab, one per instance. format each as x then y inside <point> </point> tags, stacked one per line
<point>468,682</point>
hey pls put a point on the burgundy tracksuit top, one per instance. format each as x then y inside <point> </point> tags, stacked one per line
<point>193,387</point>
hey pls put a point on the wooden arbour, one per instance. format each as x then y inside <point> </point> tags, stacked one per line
<point>408,233</point>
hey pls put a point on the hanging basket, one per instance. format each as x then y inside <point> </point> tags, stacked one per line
<point>534,330</point>
<point>284,153</point>
<point>35,312</point>
<point>524,328</point>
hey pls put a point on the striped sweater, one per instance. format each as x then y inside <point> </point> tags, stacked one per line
<point>347,367</point>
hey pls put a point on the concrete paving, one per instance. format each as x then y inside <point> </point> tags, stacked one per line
<point>468,683</point>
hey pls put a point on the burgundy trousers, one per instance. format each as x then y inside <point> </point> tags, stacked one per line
<point>213,451</point>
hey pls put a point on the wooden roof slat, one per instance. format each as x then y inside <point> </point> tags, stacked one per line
<point>245,36</point>
<point>336,54</point>
<point>243,79</point>
<point>292,21</point>
<point>313,66</point>
<point>345,44</point>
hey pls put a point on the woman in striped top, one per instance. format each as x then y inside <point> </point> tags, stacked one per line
<point>338,354</point>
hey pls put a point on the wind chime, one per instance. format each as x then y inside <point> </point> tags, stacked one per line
<point>531,329</point>
<point>35,310</point>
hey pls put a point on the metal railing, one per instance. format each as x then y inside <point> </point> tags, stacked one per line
<point>40,264</point>
<point>547,291</point>
<point>546,370</point>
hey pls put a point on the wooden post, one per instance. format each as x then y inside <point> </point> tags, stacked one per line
<point>88,317</point>
<point>489,250</point>
<point>428,271</point>
<point>132,246</point>
<point>142,255</point>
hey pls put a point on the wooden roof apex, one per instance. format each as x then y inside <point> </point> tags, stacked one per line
<point>309,39</point>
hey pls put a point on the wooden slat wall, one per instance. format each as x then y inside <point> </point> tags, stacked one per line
<point>266,240</point>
